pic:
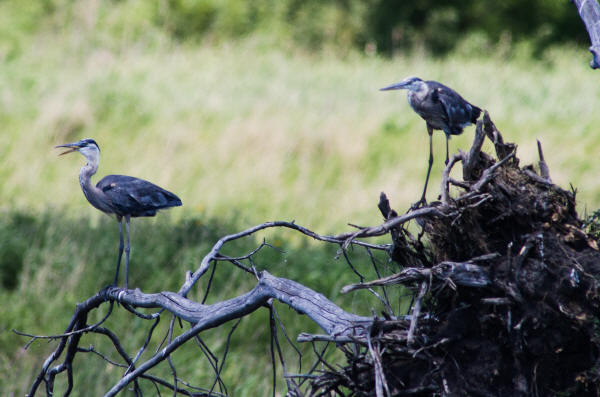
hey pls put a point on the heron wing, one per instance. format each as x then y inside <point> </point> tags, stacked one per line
<point>458,113</point>
<point>436,97</point>
<point>136,197</point>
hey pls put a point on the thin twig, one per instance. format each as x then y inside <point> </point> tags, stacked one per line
<point>213,360</point>
<point>380,381</point>
<point>145,345</point>
<point>91,349</point>
<point>416,312</point>
<point>227,344</point>
<point>66,334</point>
<point>210,280</point>
<point>192,278</point>
<point>445,193</point>
<point>472,157</point>
<point>386,226</point>
<point>385,300</point>
<point>488,173</point>
<point>169,359</point>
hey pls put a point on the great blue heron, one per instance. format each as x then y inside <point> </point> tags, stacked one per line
<point>124,196</point>
<point>441,107</point>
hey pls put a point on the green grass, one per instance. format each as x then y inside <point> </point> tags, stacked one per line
<point>244,133</point>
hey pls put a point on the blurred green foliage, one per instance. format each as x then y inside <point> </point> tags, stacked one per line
<point>440,25</point>
<point>385,26</point>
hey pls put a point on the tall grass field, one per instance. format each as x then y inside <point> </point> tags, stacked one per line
<point>273,134</point>
<point>243,132</point>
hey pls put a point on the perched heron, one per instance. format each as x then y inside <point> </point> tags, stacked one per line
<point>441,107</point>
<point>124,196</point>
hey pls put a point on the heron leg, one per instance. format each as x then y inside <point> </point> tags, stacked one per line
<point>127,248</point>
<point>423,201</point>
<point>120,220</point>
<point>447,139</point>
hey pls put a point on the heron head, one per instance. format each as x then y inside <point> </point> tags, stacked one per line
<point>87,147</point>
<point>409,83</point>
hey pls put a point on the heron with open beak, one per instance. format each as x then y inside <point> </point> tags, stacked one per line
<point>121,195</point>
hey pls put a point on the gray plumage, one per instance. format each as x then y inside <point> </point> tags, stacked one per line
<point>121,195</point>
<point>441,107</point>
<point>135,197</point>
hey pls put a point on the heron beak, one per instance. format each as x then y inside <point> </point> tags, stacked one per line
<point>396,86</point>
<point>74,146</point>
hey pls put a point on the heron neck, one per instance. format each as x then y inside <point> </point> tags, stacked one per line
<point>85,180</point>
<point>87,171</point>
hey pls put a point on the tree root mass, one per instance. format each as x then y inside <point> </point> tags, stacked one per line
<point>532,330</point>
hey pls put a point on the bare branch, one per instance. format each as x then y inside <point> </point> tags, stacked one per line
<point>488,173</point>
<point>75,320</point>
<point>472,158</point>
<point>416,313</point>
<point>91,349</point>
<point>445,193</point>
<point>461,273</point>
<point>388,225</point>
<point>144,346</point>
<point>502,149</point>
<point>213,254</point>
<point>380,382</point>
<point>589,12</point>
<point>330,317</point>
<point>66,334</point>
<point>304,337</point>
<point>220,369</point>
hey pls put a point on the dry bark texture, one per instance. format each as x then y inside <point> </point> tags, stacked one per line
<point>512,307</point>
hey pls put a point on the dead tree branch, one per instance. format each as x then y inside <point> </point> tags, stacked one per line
<point>331,318</point>
<point>589,12</point>
<point>466,274</point>
<point>192,278</point>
